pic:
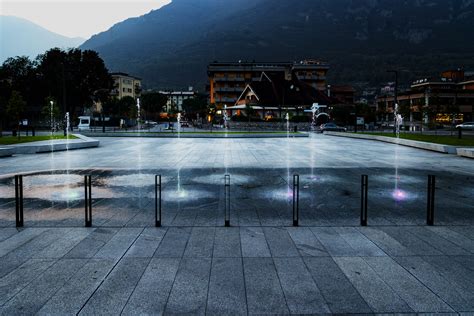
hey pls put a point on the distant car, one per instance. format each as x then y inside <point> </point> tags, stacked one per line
<point>332,127</point>
<point>466,125</point>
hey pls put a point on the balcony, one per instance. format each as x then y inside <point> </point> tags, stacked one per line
<point>229,79</point>
<point>312,77</point>
<point>225,99</point>
<point>228,89</point>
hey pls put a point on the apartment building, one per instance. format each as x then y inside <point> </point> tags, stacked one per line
<point>227,80</point>
<point>126,85</point>
<point>176,99</point>
<point>452,91</point>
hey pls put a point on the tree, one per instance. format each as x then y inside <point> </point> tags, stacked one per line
<point>94,77</point>
<point>196,105</point>
<point>153,103</point>
<point>430,114</point>
<point>365,111</point>
<point>4,96</point>
<point>75,78</point>
<point>249,111</point>
<point>19,74</point>
<point>404,110</point>
<point>453,110</point>
<point>342,114</point>
<point>128,108</point>
<point>111,106</point>
<point>15,107</point>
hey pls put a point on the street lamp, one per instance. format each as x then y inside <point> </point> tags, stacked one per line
<point>51,102</point>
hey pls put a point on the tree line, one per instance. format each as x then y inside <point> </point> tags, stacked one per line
<point>69,80</point>
<point>44,89</point>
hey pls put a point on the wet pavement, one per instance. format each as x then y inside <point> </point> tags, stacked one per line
<point>260,265</point>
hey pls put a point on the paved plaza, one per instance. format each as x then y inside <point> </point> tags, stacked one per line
<point>259,265</point>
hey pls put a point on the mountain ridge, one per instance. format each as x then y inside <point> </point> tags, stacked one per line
<point>22,37</point>
<point>173,45</point>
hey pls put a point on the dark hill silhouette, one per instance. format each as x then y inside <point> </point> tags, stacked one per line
<point>172,46</point>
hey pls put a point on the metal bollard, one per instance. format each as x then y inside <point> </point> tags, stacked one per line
<point>364,199</point>
<point>296,199</point>
<point>19,200</point>
<point>431,200</point>
<point>88,200</point>
<point>227,200</point>
<point>158,200</point>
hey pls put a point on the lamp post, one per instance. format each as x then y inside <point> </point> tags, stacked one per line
<point>51,116</point>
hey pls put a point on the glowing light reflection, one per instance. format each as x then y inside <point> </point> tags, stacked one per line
<point>399,195</point>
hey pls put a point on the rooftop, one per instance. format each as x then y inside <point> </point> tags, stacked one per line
<point>123,74</point>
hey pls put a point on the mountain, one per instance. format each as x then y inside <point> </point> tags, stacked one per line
<point>21,37</point>
<point>361,39</point>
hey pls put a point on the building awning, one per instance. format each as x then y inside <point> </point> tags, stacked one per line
<point>255,107</point>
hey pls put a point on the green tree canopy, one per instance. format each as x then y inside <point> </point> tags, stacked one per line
<point>74,78</point>
<point>128,107</point>
<point>342,114</point>
<point>15,108</point>
<point>153,103</point>
<point>20,74</point>
<point>195,105</point>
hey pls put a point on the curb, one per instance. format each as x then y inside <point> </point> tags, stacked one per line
<point>31,148</point>
<point>445,149</point>
<point>466,152</point>
<point>6,152</point>
<point>197,135</point>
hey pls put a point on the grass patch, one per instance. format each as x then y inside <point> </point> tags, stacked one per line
<point>10,140</point>
<point>466,141</point>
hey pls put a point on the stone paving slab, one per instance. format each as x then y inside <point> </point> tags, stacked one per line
<point>33,297</point>
<point>124,265</point>
<point>113,294</point>
<point>190,288</point>
<point>445,288</point>
<point>305,298</point>
<point>236,271</point>
<point>338,292</point>
<point>378,294</point>
<point>226,288</point>
<point>70,299</point>
<point>153,289</point>
<point>264,291</point>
